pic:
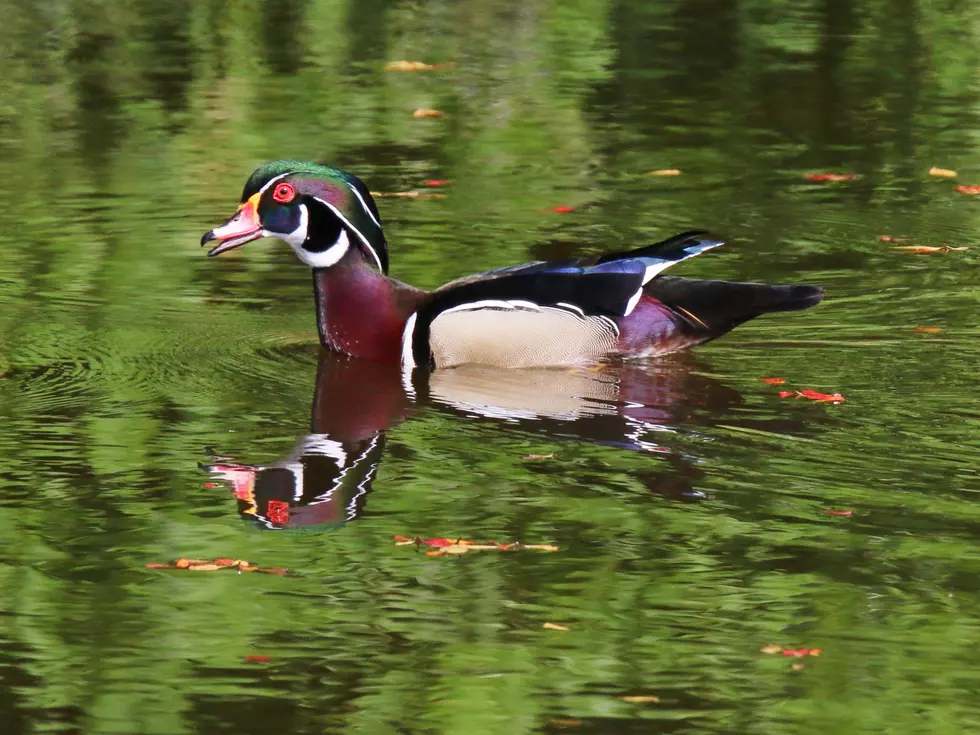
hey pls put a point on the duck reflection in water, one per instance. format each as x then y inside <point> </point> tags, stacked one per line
<point>327,476</point>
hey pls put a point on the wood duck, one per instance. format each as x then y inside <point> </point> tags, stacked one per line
<point>567,312</point>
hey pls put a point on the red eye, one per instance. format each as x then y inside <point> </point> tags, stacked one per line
<point>284,193</point>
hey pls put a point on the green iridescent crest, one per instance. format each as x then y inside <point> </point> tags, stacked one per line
<point>341,193</point>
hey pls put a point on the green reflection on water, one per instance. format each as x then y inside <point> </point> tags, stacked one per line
<point>127,129</point>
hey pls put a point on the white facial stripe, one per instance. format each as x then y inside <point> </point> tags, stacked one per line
<point>297,237</point>
<point>270,182</point>
<point>364,204</point>
<point>408,335</point>
<point>330,256</point>
<point>354,230</point>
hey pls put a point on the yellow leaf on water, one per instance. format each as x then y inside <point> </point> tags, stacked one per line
<point>540,547</point>
<point>456,549</point>
<point>944,173</point>
<point>409,66</point>
<point>426,112</point>
<point>771,648</point>
<point>553,626</point>
<point>665,172</point>
<point>798,666</point>
<point>640,699</point>
<point>204,567</point>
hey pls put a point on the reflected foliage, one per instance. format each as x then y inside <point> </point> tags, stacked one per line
<point>128,360</point>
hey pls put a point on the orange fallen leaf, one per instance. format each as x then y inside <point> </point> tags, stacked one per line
<point>246,568</point>
<point>665,172</point>
<point>815,651</point>
<point>403,540</point>
<point>927,330</point>
<point>408,195</point>
<point>553,626</point>
<point>158,566</point>
<point>813,395</point>
<point>274,570</point>
<point>223,562</point>
<point>439,552</point>
<point>844,513</point>
<point>258,659</point>
<point>967,189</point>
<point>770,648</point>
<point>413,66</point>
<point>798,666</point>
<point>830,177</point>
<point>427,112</point>
<point>539,547</point>
<point>203,568</point>
<point>890,238</point>
<point>562,209</point>
<point>539,456</point>
<point>435,182</point>
<point>773,381</point>
<point>944,173</point>
<point>456,549</point>
<point>640,699</point>
<point>185,563</point>
<point>923,249</point>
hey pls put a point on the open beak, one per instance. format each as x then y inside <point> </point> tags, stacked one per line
<point>240,229</point>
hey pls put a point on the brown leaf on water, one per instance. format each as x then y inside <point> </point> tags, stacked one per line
<point>829,177</point>
<point>539,456</point>
<point>927,330</point>
<point>553,626</point>
<point>439,552</point>
<point>408,195</point>
<point>565,722</point>
<point>246,568</point>
<point>203,568</point>
<point>185,563</point>
<point>770,648</point>
<point>943,173</point>
<point>665,172</point>
<point>842,513</point>
<point>258,659</point>
<point>423,112</point>
<point>813,395</point>
<point>924,249</point>
<point>967,189</point>
<point>225,562</point>
<point>410,66</point>
<point>158,566</point>
<point>640,699</point>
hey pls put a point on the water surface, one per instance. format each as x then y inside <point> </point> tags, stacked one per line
<point>154,401</point>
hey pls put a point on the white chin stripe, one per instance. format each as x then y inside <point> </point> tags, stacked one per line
<point>323,259</point>
<point>353,229</point>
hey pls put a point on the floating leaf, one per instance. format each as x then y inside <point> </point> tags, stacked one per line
<point>422,112</point>
<point>770,649</point>
<point>565,722</point>
<point>844,513</point>
<point>773,381</point>
<point>813,395</point>
<point>798,666</point>
<point>830,177</point>
<point>923,249</point>
<point>435,182</point>
<point>158,566</point>
<point>665,172</point>
<point>562,209</point>
<point>416,66</point>
<point>408,195</point>
<point>203,567</point>
<point>258,659</point>
<point>967,189</point>
<point>944,173</point>
<point>889,238</point>
<point>553,626</point>
<point>640,699</point>
<point>927,330</point>
<point>539,456</point>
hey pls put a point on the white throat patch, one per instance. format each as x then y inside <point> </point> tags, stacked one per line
<point>297,237</point>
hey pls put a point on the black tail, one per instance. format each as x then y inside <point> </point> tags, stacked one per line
<point>712,308</point>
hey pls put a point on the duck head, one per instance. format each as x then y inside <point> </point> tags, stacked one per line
<point>321,212</point>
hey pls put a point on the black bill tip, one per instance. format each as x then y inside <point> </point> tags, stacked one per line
<point>208,237</point>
